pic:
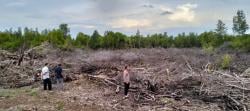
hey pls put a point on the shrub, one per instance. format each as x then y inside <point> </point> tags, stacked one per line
<point>208,49</point>
<point>226,61</point>
<point>242,42</point>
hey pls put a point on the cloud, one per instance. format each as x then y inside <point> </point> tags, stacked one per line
<point>164,8</point>
<point>84,26</point>
<point>166,13</point>
<point>148,6</point>
<point>106,7</point>
<point>184,13</point>
<point>120,15</point>
<point>158,8</point>
<point>18,3</point>
<point>35,16</point>
<point>130,23</point>
<point>160,17</point>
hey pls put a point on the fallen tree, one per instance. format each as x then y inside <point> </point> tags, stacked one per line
<point>206,84</point>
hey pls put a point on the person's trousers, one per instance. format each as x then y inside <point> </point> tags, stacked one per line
<point>59,82</point>
<point>47,83</point>
<point>126,88</point>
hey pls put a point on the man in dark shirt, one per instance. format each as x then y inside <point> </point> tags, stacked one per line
<point>59,76</point>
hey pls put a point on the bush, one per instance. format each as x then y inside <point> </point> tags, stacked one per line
<point>242,42</point>
<point>226,61</point>
<point>60,105</point>
<point>208,49</point>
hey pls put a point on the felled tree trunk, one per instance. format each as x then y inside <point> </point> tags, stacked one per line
<point>150,86</point>
<point>20,59</point>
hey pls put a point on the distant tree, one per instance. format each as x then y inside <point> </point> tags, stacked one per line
<point>192,39</point>
<point>138,39</point>
<point>19,39</point>
<point>56,37</point>
<point>64,28</point>
<point>209,39</point>
<point>242,42</point>
<point>221,28</point>
<point>114,40</point>
<point>94,40</point>
<point>184,41</point>
<point>68,44</point>
<point>18,33</point>
<point>240,25</point>
<point>82,40</point>
<point>45,32</point>
<point>108,40</point>
<point>120,40</point>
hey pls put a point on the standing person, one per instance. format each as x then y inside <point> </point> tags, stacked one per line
<point>46,77</point>
<point>59,76</point>
<point>126,80</point>
<point>37,75</point>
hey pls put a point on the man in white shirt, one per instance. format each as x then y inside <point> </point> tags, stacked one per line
<point>46,78</point>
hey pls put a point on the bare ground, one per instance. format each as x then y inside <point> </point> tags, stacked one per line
<point>162,79</point>
<point>84,95</point>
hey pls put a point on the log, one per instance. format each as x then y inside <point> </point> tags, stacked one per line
<point>109,81</point>
<point>238,87</point>
<point>238,104</point>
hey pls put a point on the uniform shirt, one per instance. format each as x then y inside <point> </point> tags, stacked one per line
<point>126,76</point>
<point>45,72</point>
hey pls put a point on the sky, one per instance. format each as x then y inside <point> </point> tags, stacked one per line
<point>126,16</point>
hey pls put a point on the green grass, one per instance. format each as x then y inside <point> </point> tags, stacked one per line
<point>33,92</point>
<point>60,106</point>
<point>8,93</point>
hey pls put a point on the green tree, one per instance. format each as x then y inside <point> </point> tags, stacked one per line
<point>138,38</point>
<point>56,37</point>
<point>221,28</point>
<point>242,42</point>
<point>94,42</point>
<point>109,40</point>
<point>120,41</point>
<point>9,41</point>
<point>64,28</point>
<point>68,44</point>
<point>208,39</point>
<point>18,33</point>
<point>185,41</point>
<point>221,32</point>
<point>82,40</point>
<point>240,25</point>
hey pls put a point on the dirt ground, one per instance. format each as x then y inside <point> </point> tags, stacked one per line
<point>161,80</point>
<point>84,95</point>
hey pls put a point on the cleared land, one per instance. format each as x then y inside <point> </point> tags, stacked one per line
<point>162,79</point>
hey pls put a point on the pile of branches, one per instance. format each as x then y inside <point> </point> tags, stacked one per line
<point>229,90</point>
<point>12,73</point>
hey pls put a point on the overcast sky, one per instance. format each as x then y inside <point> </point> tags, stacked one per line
<point>149,16</point>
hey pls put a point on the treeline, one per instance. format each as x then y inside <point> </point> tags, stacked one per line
<point>60,37</point>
